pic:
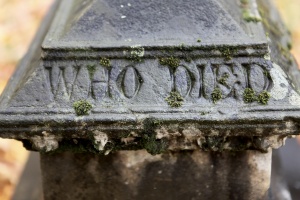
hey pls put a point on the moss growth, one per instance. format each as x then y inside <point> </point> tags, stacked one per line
<point>149,142</point>
<point>264,97</point>
<point>82,107</point>
<point>228,52</point>
<point>214,143</point>
<point>171,62</point>
<point>216,95</point>
<point>105,62</point>
<point>248,17</point>
<point>223,79</point>
<point>152,145</point>
<point>199,40</point>
<point>91,69</point>
<point>136,53</point>
<point>249,95</point>
<point>174,100</point>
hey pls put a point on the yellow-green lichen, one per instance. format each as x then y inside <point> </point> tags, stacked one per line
<point>223,79</point>
<point>174,100</point>
<point>228,52</point>
<point>263,97</point>
<point>82,107</point>
<point>249,95</point>
<point>136,53</point>
<point>216,95</point>
<point>248,17</point>
<point>105,62</point>
<point>170,61</point>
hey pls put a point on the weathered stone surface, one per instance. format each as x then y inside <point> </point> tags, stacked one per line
<point>138,73</point>
<point>138,175</point>
<point>173,78</point>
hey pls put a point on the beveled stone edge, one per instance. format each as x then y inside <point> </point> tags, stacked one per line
<point>64,8</point>
<point>180,51</point>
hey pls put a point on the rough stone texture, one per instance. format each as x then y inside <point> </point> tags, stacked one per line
<point>170,77</point>
<point>138,175</point>
<point>141,78</point>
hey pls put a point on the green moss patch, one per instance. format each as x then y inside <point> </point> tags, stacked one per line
<point>153,145</point>
<point>216,95</point>
<point>82,107</point>
<point>105,62</point>
<point>174,100</point>
<point>228,52</point>
<point>250,96</point>
<point>264,97</point>
<point>248,17</point>
<point>223,79</point>
<point>136,53</point>
<point>171,62</point>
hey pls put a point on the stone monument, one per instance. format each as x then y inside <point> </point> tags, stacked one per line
<point>155,99</point>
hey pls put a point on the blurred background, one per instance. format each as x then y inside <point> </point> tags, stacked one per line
<point>19,21</point>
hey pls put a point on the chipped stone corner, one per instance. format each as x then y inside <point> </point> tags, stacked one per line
<point>280,84</point>
<point>45,143</point>
<point>100,140</point>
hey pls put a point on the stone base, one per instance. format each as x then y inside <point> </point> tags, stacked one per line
<point>138,175</point>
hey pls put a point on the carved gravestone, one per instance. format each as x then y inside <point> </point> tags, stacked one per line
<point>207,88</point>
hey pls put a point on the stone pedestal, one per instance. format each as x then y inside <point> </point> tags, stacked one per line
<point>136,175</point>
<point>207,87</point>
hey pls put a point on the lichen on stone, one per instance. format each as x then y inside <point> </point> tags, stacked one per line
<point>170,61</point>
<point>248,17</point>
<point>82,107</point>
<point>105,62</point>
<point>216,95</point>
<point>136,53</point>
<point>263,97</point>
<point>223,79</point>
<point>228,52</point>
<point>174,100</point>
<point>199,40</point>
<point>249,95</point>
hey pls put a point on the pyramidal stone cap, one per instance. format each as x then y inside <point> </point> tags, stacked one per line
<point>102,76</point>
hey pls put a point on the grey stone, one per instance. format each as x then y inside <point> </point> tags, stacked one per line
<point>128,175</point>
<point>174,78</point>
<point>163,81</point>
